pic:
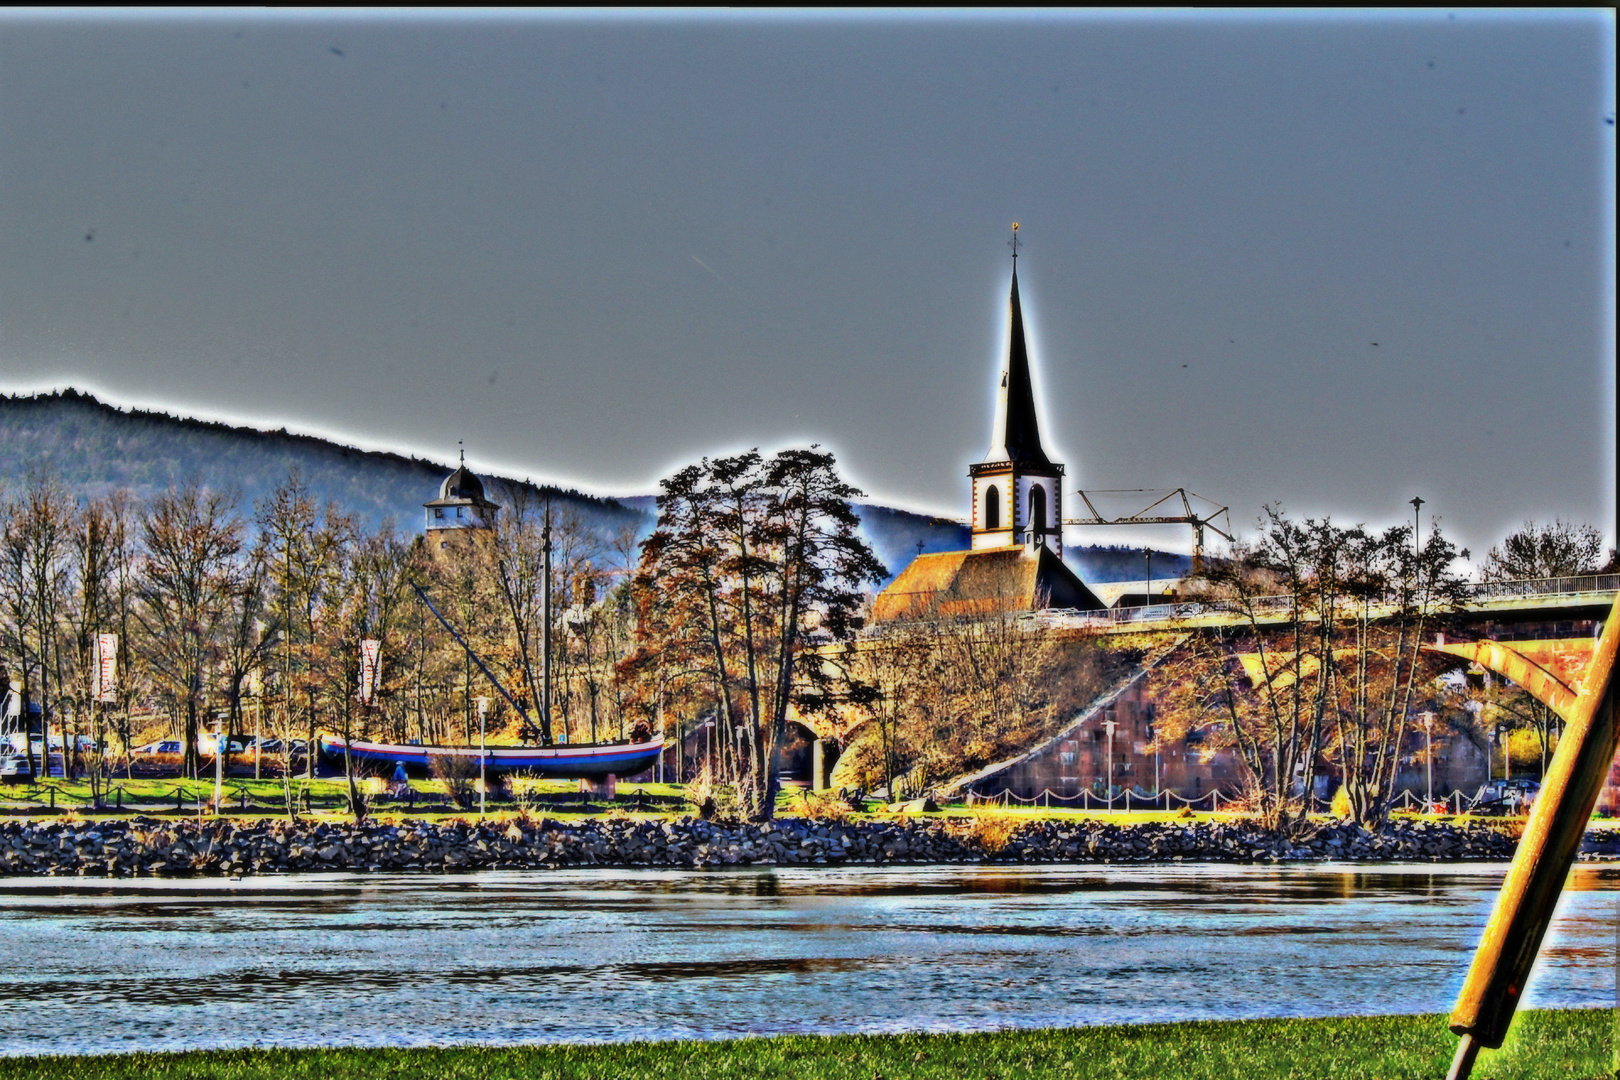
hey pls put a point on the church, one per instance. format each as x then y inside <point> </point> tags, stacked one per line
<point>1015,561</point>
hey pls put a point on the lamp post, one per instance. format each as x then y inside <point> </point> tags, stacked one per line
<point>1153,734</point>
<point>483,785</point>
<point>1428,753</point>
<point>219,766</point>
<point>1109,725</point>
<point>1417,525</point>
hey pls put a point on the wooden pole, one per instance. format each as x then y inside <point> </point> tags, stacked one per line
<point>1552,838</point>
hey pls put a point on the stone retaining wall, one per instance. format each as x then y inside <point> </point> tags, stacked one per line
<point>149,846</point>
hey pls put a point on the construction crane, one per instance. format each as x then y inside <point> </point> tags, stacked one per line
<point>1146,515</point>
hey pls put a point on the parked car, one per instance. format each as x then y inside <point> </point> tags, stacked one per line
<point>14,767</point>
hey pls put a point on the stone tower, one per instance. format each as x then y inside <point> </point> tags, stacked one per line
<point>461,513</point>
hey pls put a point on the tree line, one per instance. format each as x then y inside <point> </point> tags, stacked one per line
<point>224,614</point>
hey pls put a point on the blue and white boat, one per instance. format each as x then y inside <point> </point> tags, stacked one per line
<point>583,761</point>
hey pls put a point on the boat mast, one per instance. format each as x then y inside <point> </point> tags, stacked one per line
<point>545,632</point>
<point>468,649</point>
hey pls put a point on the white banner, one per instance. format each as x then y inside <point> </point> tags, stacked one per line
<point>370,667</point>
<point>106,674</point>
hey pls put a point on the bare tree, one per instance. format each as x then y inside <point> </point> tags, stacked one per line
<point>521,544</point>
<point>1326,662</point>
<point>756,560</point>
<point>375,594</point>
<point>93,572</point>
<point>303,552</point>
<point>1556,549</point>
<point>190,571</point>
<point>38,529</point>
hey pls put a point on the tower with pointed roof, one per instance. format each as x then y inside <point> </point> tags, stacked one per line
<point>1015,561</point>
<point>461,512</point>
<point>1017,489</point>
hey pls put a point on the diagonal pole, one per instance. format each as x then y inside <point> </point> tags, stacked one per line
<point>1552,837</point>
<point>496,683</point>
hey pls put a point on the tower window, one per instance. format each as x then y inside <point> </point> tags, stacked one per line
<point>992,508</point>
<point>438,513</point>
<point>459,512</point>
<point>1037,510</point>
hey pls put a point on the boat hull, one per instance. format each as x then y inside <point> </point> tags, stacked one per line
<point>583,761</point>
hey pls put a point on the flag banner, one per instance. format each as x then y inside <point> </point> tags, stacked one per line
<point>106,677</point>
<point>370,665</point>
<point>252,685</point>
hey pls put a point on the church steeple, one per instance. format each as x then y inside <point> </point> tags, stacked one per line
<point>1017,489</point>
<point>1016,436</point>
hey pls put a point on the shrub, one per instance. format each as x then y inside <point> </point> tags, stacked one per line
<point>992,830</point>
<point>826,807</point>
<point>456,776</point>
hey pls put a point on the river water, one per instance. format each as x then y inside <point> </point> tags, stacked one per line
<point>515,957</point>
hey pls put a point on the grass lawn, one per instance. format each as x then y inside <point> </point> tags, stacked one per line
<point>1552,1043</point>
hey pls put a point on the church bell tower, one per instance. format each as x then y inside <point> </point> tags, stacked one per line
<point>1017,489</point>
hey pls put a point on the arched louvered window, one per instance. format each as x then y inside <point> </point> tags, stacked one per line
<point>992,508</point>
<point>1037,510</point>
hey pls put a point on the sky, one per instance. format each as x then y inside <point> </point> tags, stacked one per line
<point>1328,262</point>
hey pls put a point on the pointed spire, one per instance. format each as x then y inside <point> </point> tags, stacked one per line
<point>1016,436</point>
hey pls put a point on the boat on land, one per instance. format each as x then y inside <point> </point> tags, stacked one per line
<point>582,761</point>
<point>564,761</point>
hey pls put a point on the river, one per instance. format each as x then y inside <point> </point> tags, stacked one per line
<point>518,957</point>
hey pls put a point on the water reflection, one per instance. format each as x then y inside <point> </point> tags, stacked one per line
<point>584,956</point>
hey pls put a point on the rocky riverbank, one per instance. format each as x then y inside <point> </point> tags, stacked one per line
<point>148,846</point>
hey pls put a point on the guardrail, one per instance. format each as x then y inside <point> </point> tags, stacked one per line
<point>1596,585</point>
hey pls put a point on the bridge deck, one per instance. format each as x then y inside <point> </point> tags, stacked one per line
<point>1558,597</point>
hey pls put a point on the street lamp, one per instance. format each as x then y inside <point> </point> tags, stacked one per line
<point>1109,726</point>
<point>219,765</point>
<point>483,785</point>
<point>1428,753</point>
<point>1417,525</point>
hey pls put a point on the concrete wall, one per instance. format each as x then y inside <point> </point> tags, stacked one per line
<point>1079,759</point>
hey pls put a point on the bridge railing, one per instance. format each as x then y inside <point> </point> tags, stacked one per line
<point>1558,586</point>
<point>1271,606</point>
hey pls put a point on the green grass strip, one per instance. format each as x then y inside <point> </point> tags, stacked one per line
<point>1567,1043</point>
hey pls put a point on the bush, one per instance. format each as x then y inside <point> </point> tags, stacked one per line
<point>826,807</point>
<point>457,776</point>
<point>992,830</point>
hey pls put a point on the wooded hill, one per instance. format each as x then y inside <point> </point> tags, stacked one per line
<point>94,448</point>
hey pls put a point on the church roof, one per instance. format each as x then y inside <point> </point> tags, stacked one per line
<point>1016,436</point>
<point>981,582</point>
<point>461,487</point>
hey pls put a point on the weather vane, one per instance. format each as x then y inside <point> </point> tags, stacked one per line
<point>463,448</point>
<point>1015,243</point>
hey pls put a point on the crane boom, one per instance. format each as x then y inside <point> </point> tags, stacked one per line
<point>1145,516</point>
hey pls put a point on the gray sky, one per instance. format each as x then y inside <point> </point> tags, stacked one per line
<point>1329,261</point>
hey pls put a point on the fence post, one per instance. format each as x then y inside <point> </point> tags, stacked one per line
<point>53,798</point>
<point>179,796</point>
